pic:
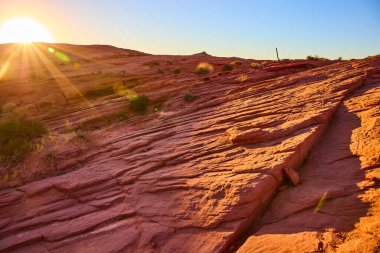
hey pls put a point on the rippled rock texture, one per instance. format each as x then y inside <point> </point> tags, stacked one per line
<point>194,176</point>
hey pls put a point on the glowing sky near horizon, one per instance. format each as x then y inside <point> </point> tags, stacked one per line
<point>23,30</point>
<point>245,28</point>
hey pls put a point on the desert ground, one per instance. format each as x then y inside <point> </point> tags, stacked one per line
<point>233,155</point>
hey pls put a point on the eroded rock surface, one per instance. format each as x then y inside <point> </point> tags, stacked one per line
<point>192,177</point>
<point>342,174</point>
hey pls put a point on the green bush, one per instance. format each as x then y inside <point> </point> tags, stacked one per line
<point>16,136</point>
<point>176,71</point>
<point>190,98</point>
<point>202,71</point>
<point>227,67</point>
<point>139,104</point>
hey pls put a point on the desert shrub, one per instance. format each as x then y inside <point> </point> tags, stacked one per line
<point>68,127</point>
<point>339,58</point>
<point>160,71</point>
<point>255,65</point>
<point>93,94</point>
<point>242,78</point>
<point>139,104</point>
<point>236,63</point>
<point>169,62</point>
<point>204,68</point>
<point>228,67</point>
<point>189,98</point>
<point>202,71</point>
<point>316,58</point>
<point>7,175</point>
<point>80,139</point>
<point>16,136</point>
<point>177,71</point>
<point>51,159</point>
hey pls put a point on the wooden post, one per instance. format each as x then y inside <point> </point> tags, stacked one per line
<point>277,55</point>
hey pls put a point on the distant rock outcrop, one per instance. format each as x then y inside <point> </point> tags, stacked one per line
<point>201,54</point>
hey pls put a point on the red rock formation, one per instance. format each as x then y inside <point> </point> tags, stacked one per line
<point>344,168</point>
<point>191,177</point>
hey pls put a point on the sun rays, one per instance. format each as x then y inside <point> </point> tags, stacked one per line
<point>24,31</point>
<point>38,57</point>
<point>68,89</point>
<point>33,66</point>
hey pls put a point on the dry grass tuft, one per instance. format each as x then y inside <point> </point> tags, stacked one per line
<point>204,68</point>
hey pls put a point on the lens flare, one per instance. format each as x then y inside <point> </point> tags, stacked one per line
<point>60,55</point>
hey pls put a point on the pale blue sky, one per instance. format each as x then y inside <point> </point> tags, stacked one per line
<point>245,28</point>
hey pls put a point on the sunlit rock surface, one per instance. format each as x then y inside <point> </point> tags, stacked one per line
<point>191,176</point>
<point>342,173</point>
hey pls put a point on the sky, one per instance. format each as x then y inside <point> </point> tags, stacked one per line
<point>242,28</point>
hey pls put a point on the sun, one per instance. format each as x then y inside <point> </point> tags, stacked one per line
<point>24,30</point>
